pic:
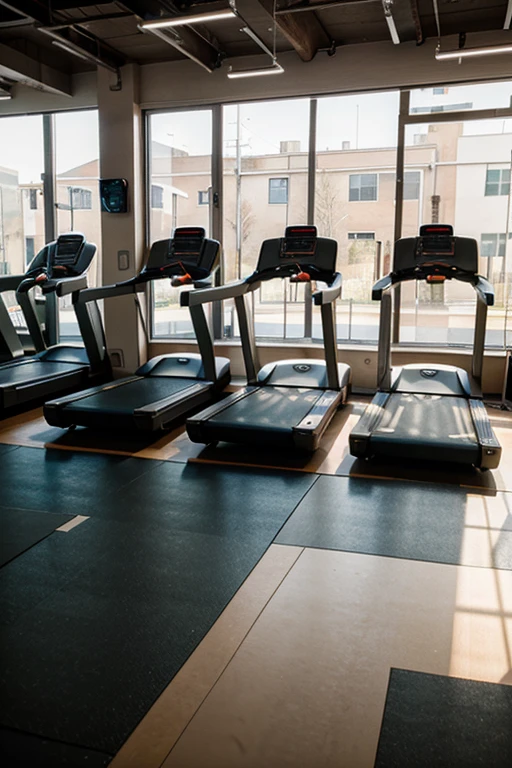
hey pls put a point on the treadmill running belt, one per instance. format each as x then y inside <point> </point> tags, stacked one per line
<point>274,409</point>
<point>35,371</point>
<point>412,424</point>
<point>126,398</point>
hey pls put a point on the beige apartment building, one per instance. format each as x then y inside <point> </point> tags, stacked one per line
<point>355,200</point>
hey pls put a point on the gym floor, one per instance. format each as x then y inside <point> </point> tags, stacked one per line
<point>163,604</point>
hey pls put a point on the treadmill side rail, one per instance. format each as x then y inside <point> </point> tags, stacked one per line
<point>156,415</point>
<point>308,433</point>
<point>490,448</point>
<point>195,423</point>
<point>55,413</point>
<point>360,437</point>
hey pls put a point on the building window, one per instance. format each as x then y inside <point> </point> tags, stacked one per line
<point>203,197</point>
<point>440,91</point>
<point>81,199</point>
<point>277,191</point>
<point>492,244</point>
<point>361,235</point>
<point>412,180</point>
<point>497,181</point>
<point>363,187</point>
<point>30,250</point>
<point>33,199</point>
<point>157,196</point>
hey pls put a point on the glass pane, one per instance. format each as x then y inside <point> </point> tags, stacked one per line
<point>77,194</point>
<point>180,159</point>
<point>354,200</point>
<point>21,200</point>
<point>265,189</point>
<point>456,98</point>
<point>453,161</point>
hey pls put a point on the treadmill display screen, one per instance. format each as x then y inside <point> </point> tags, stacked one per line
<point>68,249</point>
<point>299,241</point>
<point>436,241</point>
<point>187,242</point>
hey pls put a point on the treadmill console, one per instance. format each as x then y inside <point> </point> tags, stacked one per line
<point>300,255</point>
<point>65,255</point>
<point>187,257</point>
<point>68,256</point>
<point>298,241</point>
<point>435,255</point>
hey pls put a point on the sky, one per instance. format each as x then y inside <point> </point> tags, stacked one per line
<point>365,120</point>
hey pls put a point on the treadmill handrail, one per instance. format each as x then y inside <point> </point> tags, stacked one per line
<point>10,282</point>
<point>217,293</point>
<point>329,294</point>
<point>484,290</point>
<point>384,284</point>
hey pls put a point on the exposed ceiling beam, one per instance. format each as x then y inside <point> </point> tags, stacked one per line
<point>35,10</point>
<point>302,6</point>
<point>407,20</point>
<point>304,32</point>
<point>84,43</point>
<point>197,46</point>
<point>20,68</point>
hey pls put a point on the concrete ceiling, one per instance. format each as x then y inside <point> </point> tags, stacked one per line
<point>31,35</point>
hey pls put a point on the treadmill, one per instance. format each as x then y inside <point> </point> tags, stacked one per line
<point>430,412</point>
<point>60,268</point>
<point>168,386</point>
<point>289,403</point>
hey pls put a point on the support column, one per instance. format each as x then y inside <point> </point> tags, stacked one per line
<point>122,155</point>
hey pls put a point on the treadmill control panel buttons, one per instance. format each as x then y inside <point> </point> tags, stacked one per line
<point>428,373</point>
<point>302,368</point>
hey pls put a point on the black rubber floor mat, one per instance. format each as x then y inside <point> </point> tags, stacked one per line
<point>112,609</point>
<point>431,721</point>
<point>392,519</point>
<point>65,481</point>
<point>23,750</point>
<point>22,528</point>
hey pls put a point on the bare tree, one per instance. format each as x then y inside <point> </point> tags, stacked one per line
<point>247,221</point>
<point>327,213</point>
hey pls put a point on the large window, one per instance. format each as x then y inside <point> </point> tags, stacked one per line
<point>180,150</point>
<point>354,200</point>
<point>455,171</point>
<point>265,189</point>
<point>77,194</point>
<point>21,200</point>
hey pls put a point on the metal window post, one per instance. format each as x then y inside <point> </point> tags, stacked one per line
<point>50,223</point>
<point>313,113</point>
<point>399,199</point>
<point>216,212</point>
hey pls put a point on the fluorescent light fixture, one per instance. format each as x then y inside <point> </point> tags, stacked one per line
<point>466,53</point>
<point>275,69</point>
<point>5,94</point>
<point>70,47</point>
<point>387,5</point>
<point>180,21</point>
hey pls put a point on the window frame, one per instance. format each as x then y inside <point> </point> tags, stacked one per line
<point>405,117</point>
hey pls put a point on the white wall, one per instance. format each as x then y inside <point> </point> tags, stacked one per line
<point>366,67</point>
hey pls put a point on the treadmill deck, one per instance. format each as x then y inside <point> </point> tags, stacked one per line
<point>426,427</point>
<point>128,397</point>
